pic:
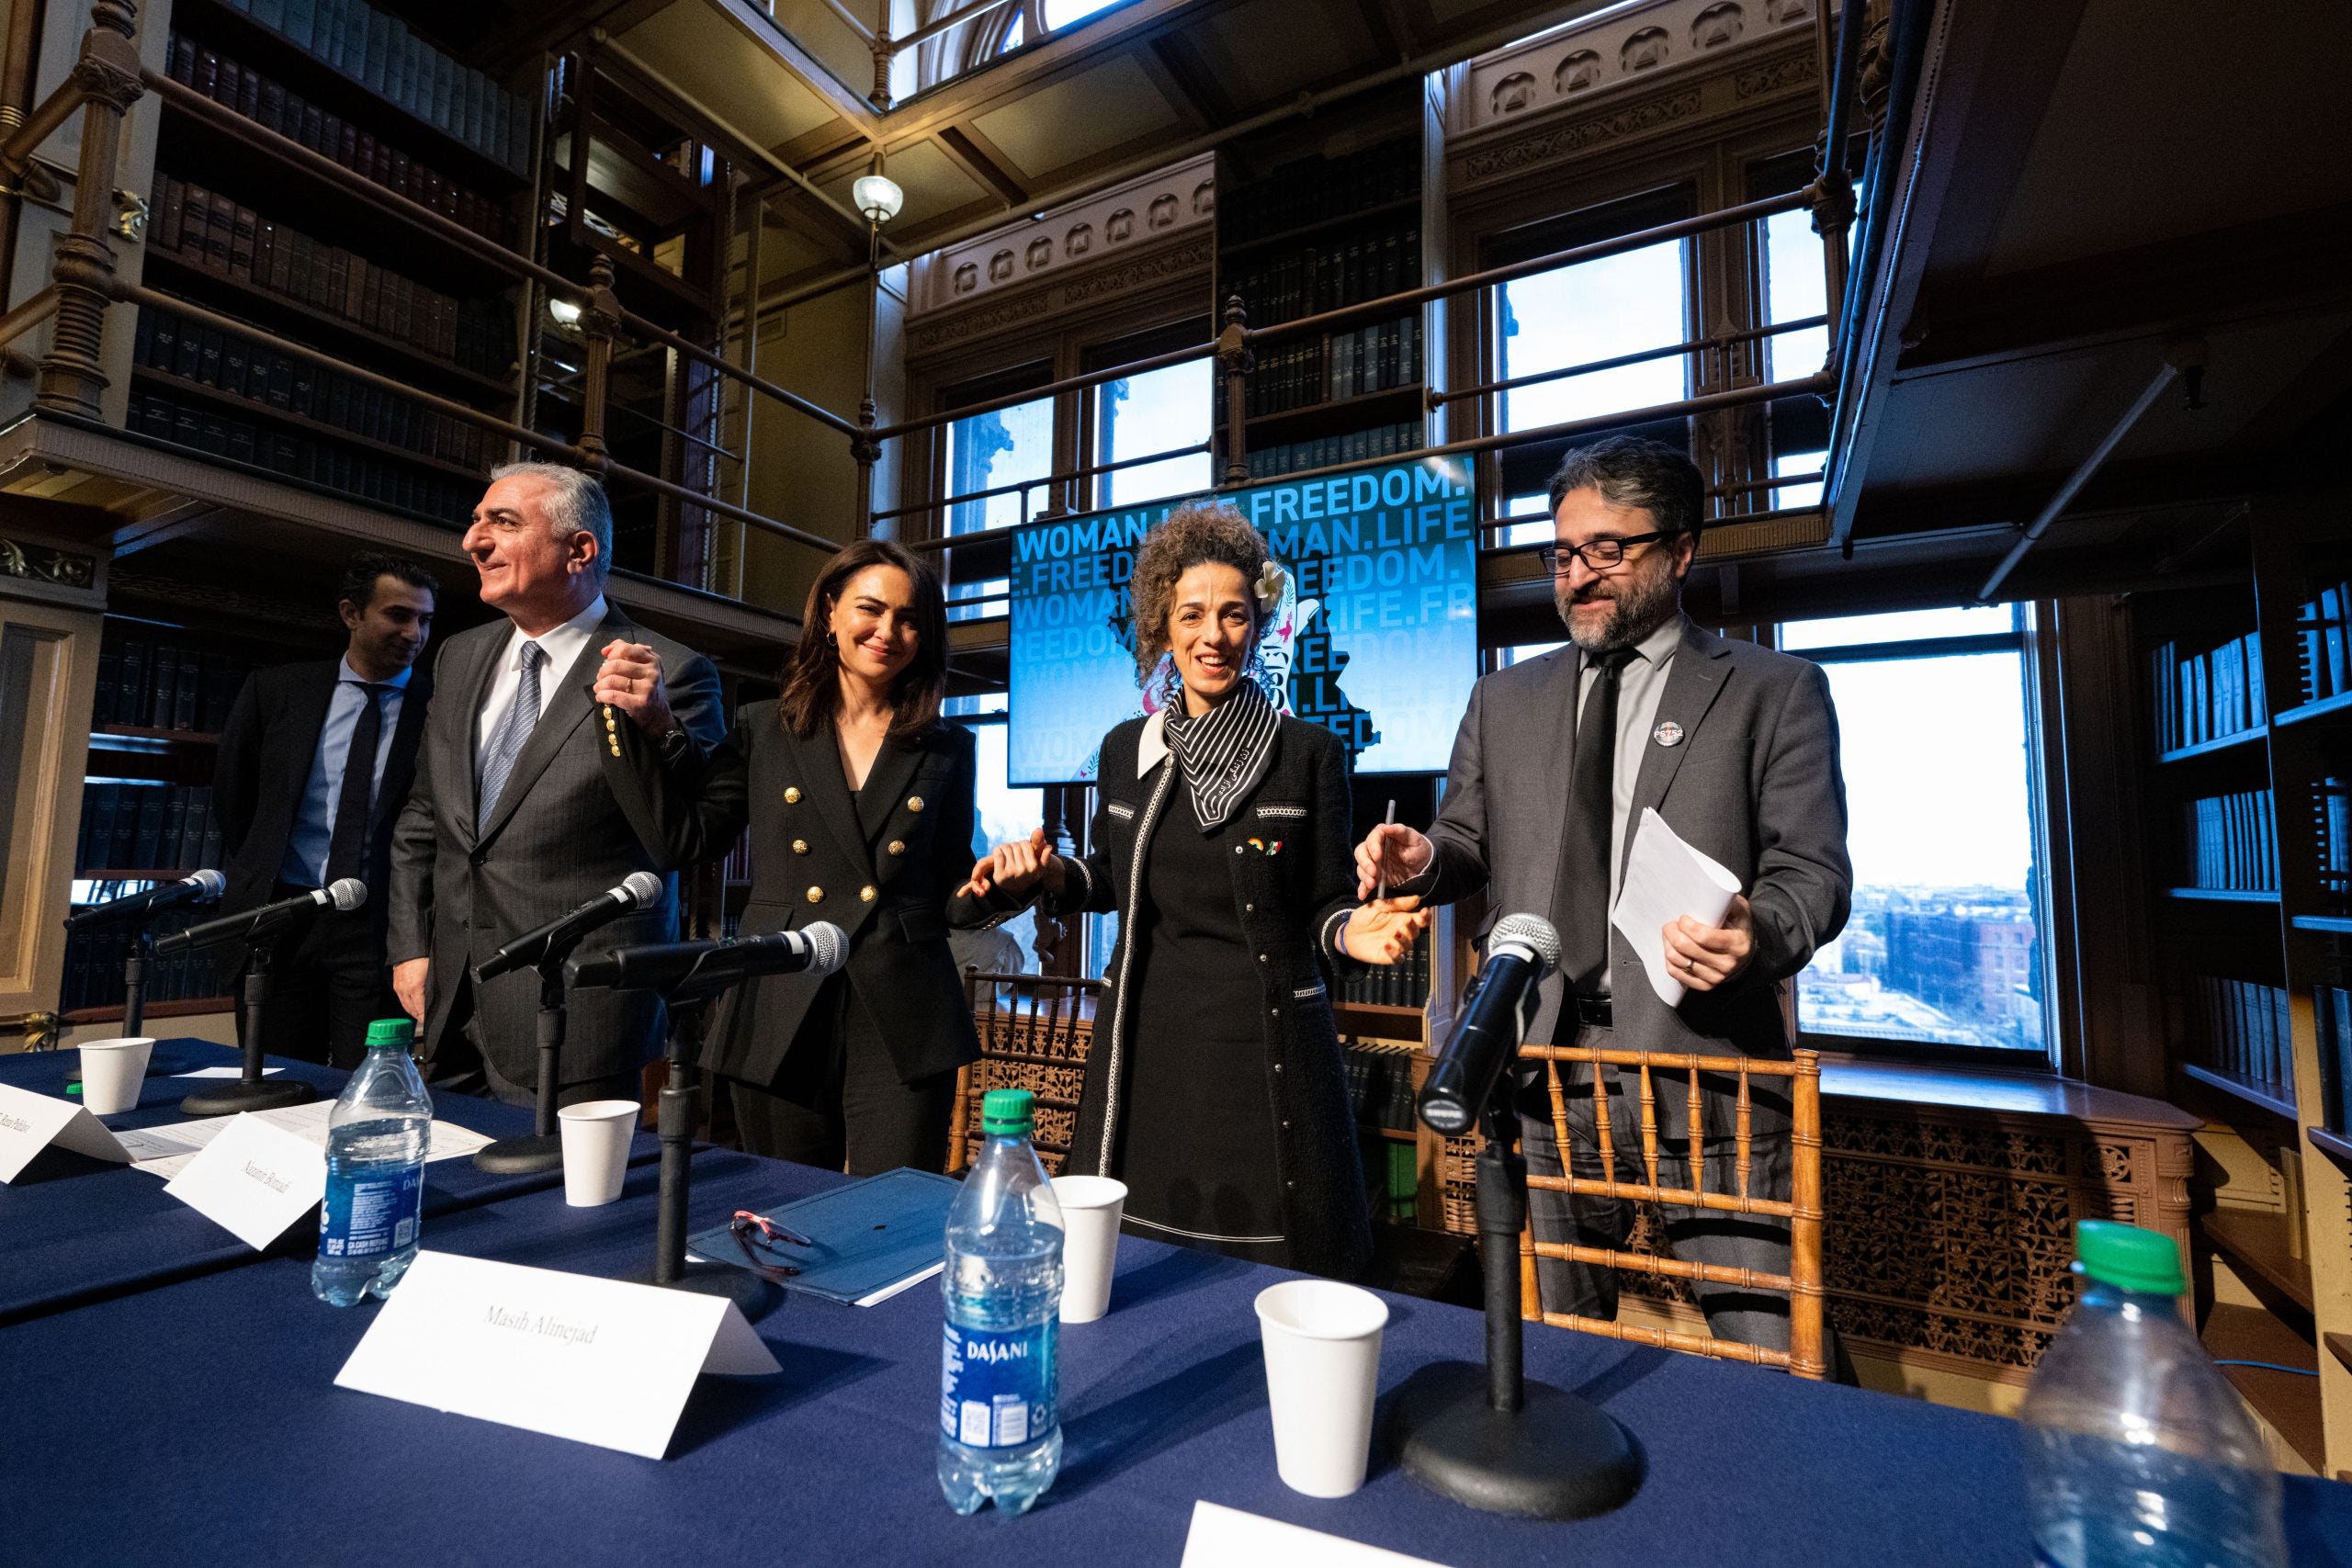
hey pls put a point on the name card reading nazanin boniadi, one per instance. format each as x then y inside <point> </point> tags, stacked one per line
<point>31,1122</point>
<point>254,1179</point>
<point>594,1360</point>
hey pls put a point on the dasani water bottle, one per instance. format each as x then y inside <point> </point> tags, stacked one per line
<point>2137,1449</point>
<point>1000,1422</point>
<point>377,1139</point>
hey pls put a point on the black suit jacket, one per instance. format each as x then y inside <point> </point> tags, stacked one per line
<point>264,763</point>
<point>812,860</point>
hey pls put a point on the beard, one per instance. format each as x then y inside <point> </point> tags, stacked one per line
<point>1639,602</point>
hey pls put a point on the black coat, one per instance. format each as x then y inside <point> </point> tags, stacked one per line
<point>1290,906</point>
<point>811,862</point>
<point>263,765</point>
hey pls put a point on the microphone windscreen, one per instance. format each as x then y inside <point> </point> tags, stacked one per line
<point>644,889</point>
<point>828,947</point>
<point>211,884</point>
<point>1531,932</point>
<point>347,893</point>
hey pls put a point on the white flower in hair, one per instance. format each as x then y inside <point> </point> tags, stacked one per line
<point>1272,581</point>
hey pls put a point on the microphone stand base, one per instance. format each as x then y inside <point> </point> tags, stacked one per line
<point>753,1296</point>
<point>267,1095</point>
<point>1558,1457</point>
<point>521,1156</point>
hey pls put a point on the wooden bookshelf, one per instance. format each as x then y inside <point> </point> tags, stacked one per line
<point>2221,895</point>
<point>106,732</point>
<point>288,419</point>
<point>2221,743</point>
<point>2337,706</point>
<point>2253,1092</point>
<point>1390,405</point>
<point>2335,1143</point>
<point>2332,925</point>
<point>2288,1401</point>
<point>185,1008</point>
<point>2258,1239</point>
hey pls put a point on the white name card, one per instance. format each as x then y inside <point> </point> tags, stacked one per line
<point>254,1179</point>
<point>594,1360</point>
<point>29,1122</point>
<point>1228,1538</point>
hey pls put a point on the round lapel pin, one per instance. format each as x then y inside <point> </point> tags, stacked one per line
<point>1668,734</point>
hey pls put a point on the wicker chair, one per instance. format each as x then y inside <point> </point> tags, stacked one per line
<point>1035,1031</point>
<point>1802,1283</point>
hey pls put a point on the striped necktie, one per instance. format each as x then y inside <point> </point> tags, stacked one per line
<point>514,728</point>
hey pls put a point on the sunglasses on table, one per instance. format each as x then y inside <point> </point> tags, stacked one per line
<point>756,1233</point>
<point>1600,555</point>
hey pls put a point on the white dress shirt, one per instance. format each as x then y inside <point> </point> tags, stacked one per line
<point>562,646</point>
<point>313,831</point>
<point>1640,684</point>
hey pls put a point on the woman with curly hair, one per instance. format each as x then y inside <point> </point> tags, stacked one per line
<point>860,801</point>
<point>1215,1089</point>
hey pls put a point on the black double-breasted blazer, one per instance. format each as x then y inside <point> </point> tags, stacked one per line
<point>1289,903</point>
<point>812,860</point>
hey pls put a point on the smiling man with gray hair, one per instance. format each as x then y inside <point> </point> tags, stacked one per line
<point>511,822</point>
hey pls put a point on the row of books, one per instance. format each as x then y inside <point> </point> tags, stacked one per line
<point>93,968</point>
<point>1324,278</point>
<point>253,374</point>
<point>1380,1086</point>
<point>2232,842</point>
<point>2332,826</point>
<point>2323,642</point>
<point>2334,1011</point>
<point>375,50</point>
<point>1315,188</point>
<point>1329,451</point>
<point>2206,695</point>
<point>327,463</point>
<point>276,107</point>
<point>2245,1032</point>
<point>215,233</point>
<point>147,826</point>
<point>1405,985</point>
<point>1341,365</point>
<point>153,685</point>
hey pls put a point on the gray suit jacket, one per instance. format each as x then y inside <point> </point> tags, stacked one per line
<point>560,836</point>
<point>1754,782</point>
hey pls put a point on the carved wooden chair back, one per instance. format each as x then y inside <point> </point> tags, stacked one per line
<point>1035,1031</point>
<point>1802,1283</point>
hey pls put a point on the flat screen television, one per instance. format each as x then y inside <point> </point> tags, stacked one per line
<point>1377,639</point>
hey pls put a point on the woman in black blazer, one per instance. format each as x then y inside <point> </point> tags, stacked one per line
<point>1215,1089</point>
<point>864,818</point>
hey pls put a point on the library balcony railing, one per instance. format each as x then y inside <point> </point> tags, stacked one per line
<point>107,78</point>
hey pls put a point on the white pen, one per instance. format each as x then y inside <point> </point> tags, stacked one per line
<point>1388,821</point>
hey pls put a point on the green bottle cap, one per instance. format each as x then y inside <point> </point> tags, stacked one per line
<point>391,1034</point>
<point>2128,1258</point>
<point>1007,1112</point>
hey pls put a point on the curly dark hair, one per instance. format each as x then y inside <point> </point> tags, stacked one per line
<point>812,687</point>
<point>1195,533</point>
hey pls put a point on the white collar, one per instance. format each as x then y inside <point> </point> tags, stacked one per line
<point>561,644</point>
<point>1151,747</point>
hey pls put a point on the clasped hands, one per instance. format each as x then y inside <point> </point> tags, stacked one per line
<point>1697,957</point>
<point>630,679</point>
<point>1380,931</point>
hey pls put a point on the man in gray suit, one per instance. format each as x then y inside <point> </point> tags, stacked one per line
<point>513,820</point>
<point>1736,746</point>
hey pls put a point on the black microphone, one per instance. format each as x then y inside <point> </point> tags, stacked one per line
<point>346,893</point>
<point>638,890</point>
<point>1521,950</point>
<point>818,949</point>
<point>201,888</point>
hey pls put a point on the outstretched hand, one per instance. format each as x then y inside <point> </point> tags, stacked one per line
<point>1383,930</point>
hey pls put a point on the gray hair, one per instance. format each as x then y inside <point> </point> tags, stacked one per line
<point>1629,470</point>
<point>577,501</point>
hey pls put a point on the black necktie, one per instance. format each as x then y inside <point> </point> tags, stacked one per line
<point>1580,898</point>
<point>347,848</point>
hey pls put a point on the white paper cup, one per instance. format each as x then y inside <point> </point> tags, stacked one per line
<point>596,1136</point>
<point>112,1073</point>
<point>1090,1209</point>
<point>1322,1344</point>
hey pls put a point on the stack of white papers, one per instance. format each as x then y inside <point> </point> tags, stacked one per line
<point>164,1151</point>
<point>1665,880</point>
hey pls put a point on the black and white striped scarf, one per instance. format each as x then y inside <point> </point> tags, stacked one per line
<point>1224,752</point>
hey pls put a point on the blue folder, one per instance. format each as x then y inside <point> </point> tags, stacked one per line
<point>870,1235</point>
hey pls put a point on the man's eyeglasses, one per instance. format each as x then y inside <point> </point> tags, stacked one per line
<point>756,1235</point>
<point>1600,555</point>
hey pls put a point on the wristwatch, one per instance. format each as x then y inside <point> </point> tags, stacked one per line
<point>672,745</point>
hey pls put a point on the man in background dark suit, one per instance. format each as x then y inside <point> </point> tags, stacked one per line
<point>513,820</point>
<point>314,766</point>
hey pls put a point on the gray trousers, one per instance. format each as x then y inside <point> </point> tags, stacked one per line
<point>1693,1235</point>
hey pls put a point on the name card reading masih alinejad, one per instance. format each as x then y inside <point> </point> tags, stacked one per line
<point>594,1360</point>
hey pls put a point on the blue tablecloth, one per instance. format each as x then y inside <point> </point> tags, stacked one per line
<point>199,1422</point>
<point>75,1229</point>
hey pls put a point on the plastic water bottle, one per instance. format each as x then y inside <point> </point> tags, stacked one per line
<point>999,1420</point>
<point>377,1140</point>
<point>2137,1449</point>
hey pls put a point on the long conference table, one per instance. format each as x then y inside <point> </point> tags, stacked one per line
<point>188,1414</point>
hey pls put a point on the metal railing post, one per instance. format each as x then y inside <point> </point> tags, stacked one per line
<point>1233,361</point>
<point>866,448</point>
<point>600,324</point>
<point>107,77</point>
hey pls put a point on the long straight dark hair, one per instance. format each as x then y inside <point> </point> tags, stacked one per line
<point>812,675</point>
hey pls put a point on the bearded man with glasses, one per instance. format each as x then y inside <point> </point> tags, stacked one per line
<point>1736,746</point>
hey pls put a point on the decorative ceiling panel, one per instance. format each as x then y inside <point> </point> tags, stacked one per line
<point>703,52</point>
<point>1071,121</point>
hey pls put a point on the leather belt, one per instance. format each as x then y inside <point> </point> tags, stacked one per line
<point>1592,1012</point>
